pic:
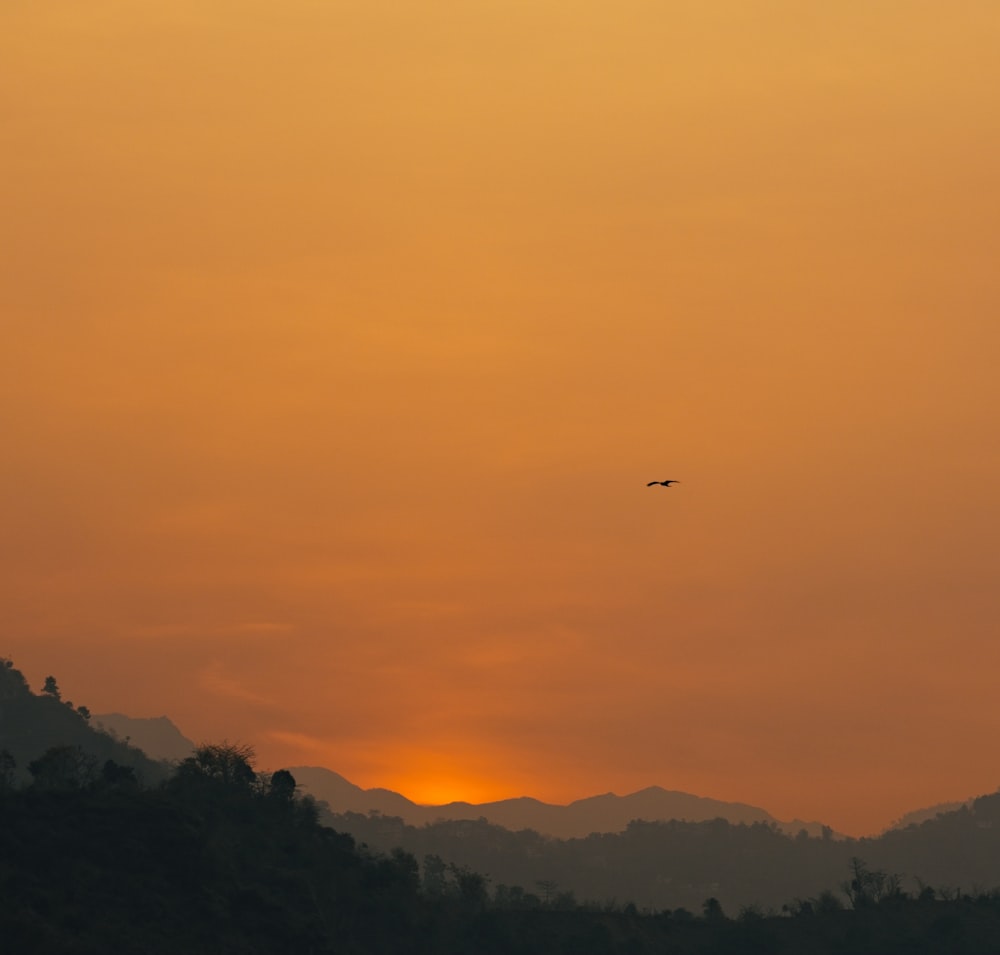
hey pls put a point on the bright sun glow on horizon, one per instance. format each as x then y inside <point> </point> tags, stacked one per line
<point>435,790</point>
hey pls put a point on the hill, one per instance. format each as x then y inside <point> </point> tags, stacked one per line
<point>157,736</point>
<point>604,813</point>
<point>32,723</point>
<point>161,739</point>
<point>221,859</point>
<point>680,864</point>
<point>917,816</point>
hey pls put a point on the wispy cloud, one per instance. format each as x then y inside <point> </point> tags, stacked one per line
<point>214,631</point>
<point>221,683</point>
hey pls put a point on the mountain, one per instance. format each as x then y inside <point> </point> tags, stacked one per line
<point>918,816</point>
<point>160,738</point>
<point>31,724</point>
<point>156,736</point>
<point>660,865</point>
<point>333,789</point>
<point>604,813</point>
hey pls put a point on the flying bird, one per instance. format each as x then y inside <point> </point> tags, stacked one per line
<point>664,483</point>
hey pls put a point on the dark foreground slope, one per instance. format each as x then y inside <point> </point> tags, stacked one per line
<point>198,865</point>
<point>204,864</point>
<point>674,864</point>
<point>210,864</point>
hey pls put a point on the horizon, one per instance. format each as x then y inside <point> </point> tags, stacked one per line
<point>444,802</point>
<point>342,340</point>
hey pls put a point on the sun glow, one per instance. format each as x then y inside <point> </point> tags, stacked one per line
<point>430,787</point>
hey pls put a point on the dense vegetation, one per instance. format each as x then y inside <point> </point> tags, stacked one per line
<point>669,864</point>
<point>214,856</point>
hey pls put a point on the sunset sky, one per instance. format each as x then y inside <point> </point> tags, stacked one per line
<point>341,337</point>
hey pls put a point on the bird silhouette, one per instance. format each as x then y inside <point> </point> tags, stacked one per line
<point>664,483</point>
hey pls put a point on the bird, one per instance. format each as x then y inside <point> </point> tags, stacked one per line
<point>664,483</point>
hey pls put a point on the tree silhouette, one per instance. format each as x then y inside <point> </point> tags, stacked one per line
<point>51,688</point>
<point>228,763</point>
<point>7,766</point>
<point>63,768</point>
<point>117,776</point>
<point>282,785</point>
<point>869,886</point>
<point>712,909</point>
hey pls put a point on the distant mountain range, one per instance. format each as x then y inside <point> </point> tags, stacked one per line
<point>160,738</point>
<point>156,736</point>
<point>917,816</point>
<point>604,813</point>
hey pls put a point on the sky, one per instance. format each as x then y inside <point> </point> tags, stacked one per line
<point>340,339</point>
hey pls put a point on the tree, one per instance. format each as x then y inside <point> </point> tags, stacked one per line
<point>548,887</point>
<point>472,887</point>
<point>116,776</point>
<point>712,909</point>
<point>12,682</point>
<point>282,786</point>
<point>869,886</point>
<point>51,688</point>
<point>63,768</point>
<point>826,902</point>
<point>228,763</point>
<point>7,766</point>
<point>435,880</point>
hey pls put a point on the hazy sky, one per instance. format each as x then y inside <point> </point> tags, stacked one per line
<point>341,337</point>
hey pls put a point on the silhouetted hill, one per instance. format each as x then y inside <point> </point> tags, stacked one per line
<point>216,859</point>
<point>156,736</point>
<point>32,723</point>
<point>161,739</point>
<point>220,859</point>
<point>671,864</point>
<point>604,813</point>
<point>917,816</point>
<point>335,790</point>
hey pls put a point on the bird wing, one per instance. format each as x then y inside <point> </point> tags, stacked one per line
<point>651,483</point>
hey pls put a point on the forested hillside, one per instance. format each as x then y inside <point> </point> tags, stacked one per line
<point>670,864</point>
<point>32,723</point>
<point>222,859</point>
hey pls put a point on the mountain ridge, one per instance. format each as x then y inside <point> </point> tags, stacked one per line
<point>151,734</point>
<point>605,812</point>
<point>160,738</point>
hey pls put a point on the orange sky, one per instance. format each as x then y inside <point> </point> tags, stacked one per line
<point>339,340</point>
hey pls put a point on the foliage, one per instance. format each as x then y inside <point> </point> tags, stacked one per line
<point>229,764</point>
<point>670,865</point>
<point>7,766</point>
<point>63,767</point>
